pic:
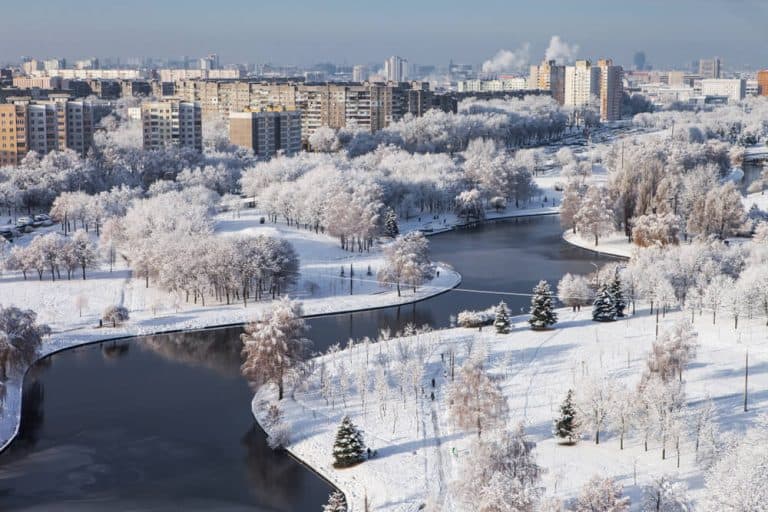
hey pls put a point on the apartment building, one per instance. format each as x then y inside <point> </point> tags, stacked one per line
<point>611,90</point>
<point>13,134</point>
<point>267,132</point>
<point>396,69</point>
<point>37,82</point>
<point>709,68</point>
<point>582,84</point>
<point>549,76</point>
<point>360,73</point>
<point>365,106</point>
<point>762,83</point>
<point>499,85</point>
<point>172,123</point>
<point>45,126</point>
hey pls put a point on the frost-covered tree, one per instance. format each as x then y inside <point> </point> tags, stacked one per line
<point>20,338</point>
<point>336,503</point>
<point>737,481</point>
<point>706,434</point>
<point>499,474</point>
<point>665,495</point>
<point>469,205</point>
<point>656,230</point>
<point>84,250</point>
<point>543,313</point>
<point>349,447</point>
<point>324,140</point>
<point>566,426</point>
<point>476,401</point>
<point>115,315</point>
<point>571,204</point>
<point>601,495</point>
<point>406,261</point>
<point>719,212</point>
<point>604,307</point>
<point>595,403</point>
<point>624,412</point>
<point>594,218</point>
<point>501,322</point>
<point>275,346</point>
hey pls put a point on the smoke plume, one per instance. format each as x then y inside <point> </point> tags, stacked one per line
<point>508,60</point>
<point>560,51</point>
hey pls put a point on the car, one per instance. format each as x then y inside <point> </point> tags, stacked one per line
<point>6,233</point>
<point>42,220</point>
<point>24,221</point>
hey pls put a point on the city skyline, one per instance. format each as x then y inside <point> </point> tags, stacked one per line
<point>431,33</point>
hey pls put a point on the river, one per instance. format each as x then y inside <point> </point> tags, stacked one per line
<point>164,423</point>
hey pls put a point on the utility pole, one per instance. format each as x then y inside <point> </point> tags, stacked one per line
<point>746,380</point>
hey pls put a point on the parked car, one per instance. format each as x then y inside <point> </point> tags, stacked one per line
<point>24,221</point>
<point>6,233</point>
<point>42,220</point>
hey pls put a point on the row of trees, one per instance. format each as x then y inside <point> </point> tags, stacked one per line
<point>52,252</point>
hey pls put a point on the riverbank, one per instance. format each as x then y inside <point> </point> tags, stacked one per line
<point>615,244</point>
<point>201,318</point>
<point>420,450</point>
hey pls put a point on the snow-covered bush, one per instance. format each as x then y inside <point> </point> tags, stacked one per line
<point>115,315</point>
<point>469,318</point>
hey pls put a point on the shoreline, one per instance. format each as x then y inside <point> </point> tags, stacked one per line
<point>619,249</point>
<point>68,340</point>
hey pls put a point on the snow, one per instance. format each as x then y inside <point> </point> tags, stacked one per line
<point>758,198</point>
<point>614,244</point>
<point>416,463</point>
<point>321,289</point>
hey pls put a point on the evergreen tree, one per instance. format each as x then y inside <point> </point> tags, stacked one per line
<point>566,426</point>
<point>501,323</point>
<point>336,503</point>
<point>542,310</point>
<point>349,447</point>
<point>619,303</point>
<point>604,307</point>
<point>390,223</point>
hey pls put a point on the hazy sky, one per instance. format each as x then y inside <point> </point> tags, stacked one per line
<point>352,31</point>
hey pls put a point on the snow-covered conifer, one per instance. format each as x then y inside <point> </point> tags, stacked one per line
<point>566,426</point>
<point>543,313</point>
<point>604,307</point>
<point>349,448</point>
<point>501,322</point>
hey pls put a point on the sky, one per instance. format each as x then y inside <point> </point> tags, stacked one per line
<point>302,32</point>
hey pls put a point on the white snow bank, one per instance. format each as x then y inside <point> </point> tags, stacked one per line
<point>615,244</point>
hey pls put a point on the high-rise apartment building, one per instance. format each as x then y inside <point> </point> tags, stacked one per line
<point>762,83</point>
<point>360,73</point>
<point>396,69</point>
<point>611,90</point>
<point>365,106</point>
<point>709,68</point>
<point>549,76</point>
<point>45,126</point>
<point>267,132</point>
<point>13,134</point>
<point>172,123</point>
<point>582,84</point>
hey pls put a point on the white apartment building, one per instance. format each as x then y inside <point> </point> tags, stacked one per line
<point>500,85</point>
<point>172,124</point>
<point>735,89</point>
<point>360,73</point>
<point>173,75</point>
<point>582,84</point>
<point>396,69</point>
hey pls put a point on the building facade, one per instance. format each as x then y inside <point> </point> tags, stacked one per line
<point>172,123</point>
<point>549,76</point>
<point>582,84</point>
<point>762,83</point>
<point>611,90</point>
<point>13,134</point>
<point>709,68</point>
<point>267,132</point>
<point>396,69</point>
<point>734,89</point>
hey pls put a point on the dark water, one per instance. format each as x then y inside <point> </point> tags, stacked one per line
<point>164,423</point>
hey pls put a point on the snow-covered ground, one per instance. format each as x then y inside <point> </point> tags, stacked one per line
<point>614,244</point>
<point>321,289</point>
<point>419,450</point>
